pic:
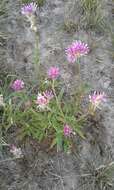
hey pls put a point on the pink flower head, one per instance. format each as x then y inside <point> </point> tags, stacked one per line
<point>96,98</point>
<point>17,85</point>
<point>53,72</point>
<point>29,9</point>
<point>42,101</point>
<point>76,50</point>
<point>48,94</point>
<point>67,130</point>
<point>16,151</point>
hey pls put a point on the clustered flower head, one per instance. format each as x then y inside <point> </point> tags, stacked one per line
<point>53,72</point>
<point>17,85</point>
<point>67,130</point>
<point>76,50</point>
<point>96,98</point>
<point>44,99</point>
<point>29,9</point>
<point>16,151</point>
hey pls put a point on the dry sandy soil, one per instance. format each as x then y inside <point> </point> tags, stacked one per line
<point>39,169</point>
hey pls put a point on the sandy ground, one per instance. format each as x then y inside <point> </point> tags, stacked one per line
<point>40,170</point>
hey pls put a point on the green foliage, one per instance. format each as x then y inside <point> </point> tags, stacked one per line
<point>3,8</point>
<point>93,17</point>
<point>21,110</point>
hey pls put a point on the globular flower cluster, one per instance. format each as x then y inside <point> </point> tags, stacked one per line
<point>96,98</point>
<point>53,72</point>
<point>76,50</point>
<point>29,9</point>
<point>68,130</point>
<point>16,151</point>
<point>44,99</point>
<point>17,85</point>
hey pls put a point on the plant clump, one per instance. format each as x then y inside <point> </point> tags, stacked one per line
<point>49,113</point>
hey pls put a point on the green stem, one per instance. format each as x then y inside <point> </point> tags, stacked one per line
<point>79,76</point>
<point>37,54</point>
<point>57,101</point>
<point>37,48</point>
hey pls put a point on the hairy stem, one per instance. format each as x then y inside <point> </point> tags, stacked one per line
<point>79,75</point>
<point>57,101</point>
<point>37,55</point>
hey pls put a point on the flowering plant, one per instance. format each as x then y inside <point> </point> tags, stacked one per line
<point>43,115</point>
<point>76,50</point>
<point>16,151</point>
<point>43,100</point>
<point>17,85</point>
<point>49,113</point>
<point>95,99</point>
<point>29,11</point>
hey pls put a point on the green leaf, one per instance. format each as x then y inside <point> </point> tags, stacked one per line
<point>66,145</point>
<point>59,139</point>
<point>79,132</point>
<point>60,95</point>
